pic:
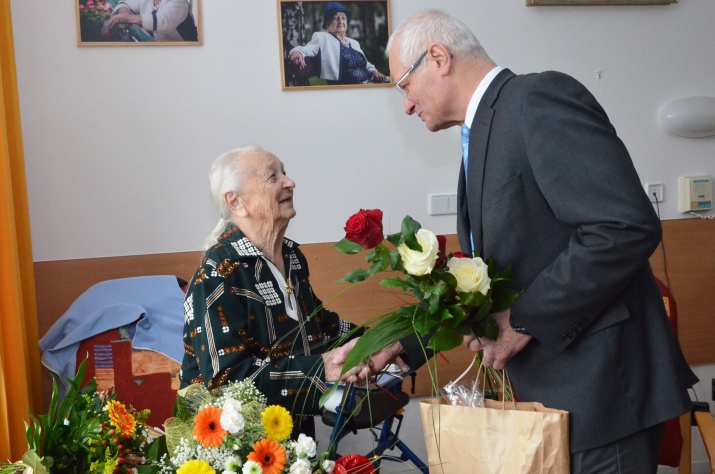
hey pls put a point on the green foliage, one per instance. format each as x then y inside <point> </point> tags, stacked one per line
<point>443,313</point>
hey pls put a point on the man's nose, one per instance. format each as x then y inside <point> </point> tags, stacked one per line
<point>409,106</point>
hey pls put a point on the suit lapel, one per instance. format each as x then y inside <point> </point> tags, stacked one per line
<point>478,147</point>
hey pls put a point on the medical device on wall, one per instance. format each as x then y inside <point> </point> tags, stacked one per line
<point>696,193</point>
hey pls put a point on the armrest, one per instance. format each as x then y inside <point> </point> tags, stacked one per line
<point>706,425</point>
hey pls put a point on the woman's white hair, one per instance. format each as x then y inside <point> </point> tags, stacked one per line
<point>435,26</point>
<point>226,174</point>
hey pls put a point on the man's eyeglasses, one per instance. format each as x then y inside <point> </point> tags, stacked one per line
<point>404,76</point>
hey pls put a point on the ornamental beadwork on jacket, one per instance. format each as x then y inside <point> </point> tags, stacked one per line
<point>236,325</point>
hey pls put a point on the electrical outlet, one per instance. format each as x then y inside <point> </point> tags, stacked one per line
<point>654,191</point>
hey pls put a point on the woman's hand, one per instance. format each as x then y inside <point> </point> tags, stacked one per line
<point>377,77</point>
<point>298,59</point>
<point>334,361</point>
<point>122,16</point>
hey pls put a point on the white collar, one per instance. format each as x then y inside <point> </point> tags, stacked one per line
<point>479,93</point>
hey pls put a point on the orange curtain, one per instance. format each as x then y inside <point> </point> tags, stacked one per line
<point>19,354</point>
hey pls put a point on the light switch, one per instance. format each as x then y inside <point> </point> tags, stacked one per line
<point>453,204</point>
<point>438,204</point>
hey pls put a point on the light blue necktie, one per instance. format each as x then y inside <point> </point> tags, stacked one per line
<point>465,154</point>
<point>465,147</point>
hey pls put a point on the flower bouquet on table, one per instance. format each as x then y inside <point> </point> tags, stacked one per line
<point>455,295</point>
<point>231,430</point>
<point>88,431</point>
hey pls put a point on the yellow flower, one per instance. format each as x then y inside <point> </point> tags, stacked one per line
<point>195,467</point>
<point>277,422</point>
<point>121,418</point>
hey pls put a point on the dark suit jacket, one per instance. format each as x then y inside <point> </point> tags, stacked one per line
<point>552,191</point>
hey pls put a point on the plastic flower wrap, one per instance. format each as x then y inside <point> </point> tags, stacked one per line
<point>231,430</point>
<point>455,295</point>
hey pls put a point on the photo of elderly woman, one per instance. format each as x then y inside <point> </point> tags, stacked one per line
<point>138,22</point>
<point>334,43</point>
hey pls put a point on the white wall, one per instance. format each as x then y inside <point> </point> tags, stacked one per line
<point>118,140</point>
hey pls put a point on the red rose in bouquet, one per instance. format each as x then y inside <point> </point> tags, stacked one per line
<point>365,228</point>
<point>353,464</point>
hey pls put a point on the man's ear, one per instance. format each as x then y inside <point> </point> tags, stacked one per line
<point>441,57</point>
<point>235,202</point>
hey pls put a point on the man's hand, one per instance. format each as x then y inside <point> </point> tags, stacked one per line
<point>508,344</point>
<point>381,359</point>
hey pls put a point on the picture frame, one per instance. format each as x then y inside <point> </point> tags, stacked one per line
<point>311,44</point>
<point>138,22</point>
<point>596,2</point>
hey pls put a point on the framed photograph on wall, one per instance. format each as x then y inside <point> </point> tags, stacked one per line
<point>334,44</point>
<point>138,22</point>
<point>597,2</point>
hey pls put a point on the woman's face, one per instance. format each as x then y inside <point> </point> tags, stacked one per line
<point>268,192</point>
<point>339,24</point>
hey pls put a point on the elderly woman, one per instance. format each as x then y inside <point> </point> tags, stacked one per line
<point>250,311</point>
<point>164,20</point>
<point>341,59</point>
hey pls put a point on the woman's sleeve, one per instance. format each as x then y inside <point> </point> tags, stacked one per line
<point>311,49</point>
<point>168,17</point>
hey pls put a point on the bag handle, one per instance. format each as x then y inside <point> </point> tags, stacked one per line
<point>501,377</point>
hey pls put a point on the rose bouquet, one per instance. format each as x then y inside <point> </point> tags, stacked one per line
<point>88,431</point>
<point>455,294</point>
<point>231,431</point>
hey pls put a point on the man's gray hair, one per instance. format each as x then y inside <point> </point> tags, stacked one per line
<point>226,174</point>
<point>435,26</point>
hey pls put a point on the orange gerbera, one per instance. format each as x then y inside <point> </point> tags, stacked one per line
<point>270,455</point>
<point>207,427</point>
<point>121,418</point>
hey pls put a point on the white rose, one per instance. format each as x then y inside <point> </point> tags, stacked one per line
<point>420,263</point>
<point>305,445</point>
<point>472,274</point>
<point>301,466</point>
<point>231,418</point>
<point>328,466</point>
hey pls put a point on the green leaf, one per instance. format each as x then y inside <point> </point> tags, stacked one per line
<point>355,275</point>
<point>157,448</point>
<point>409,229</point>
<point>444,339</point>
<point>394,239</point>
<point>472,299</point>
<point>396,261</point>
<point>379,336</point>
<point>395,282</point>
<point>349,247</point>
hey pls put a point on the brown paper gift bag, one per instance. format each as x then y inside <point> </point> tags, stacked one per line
<point>501,438</point>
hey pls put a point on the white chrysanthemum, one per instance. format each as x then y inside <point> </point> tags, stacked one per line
<point>231,418</point>
<point>305,446</point>
<point>300,466</point>
<point>231,465</point>
<point>252,467</point>
<point>328,466</point>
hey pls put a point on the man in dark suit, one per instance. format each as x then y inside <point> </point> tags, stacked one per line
<point>547,186</point>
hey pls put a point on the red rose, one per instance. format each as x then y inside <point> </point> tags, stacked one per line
<point>442,252</point>
<point>460,255</point>
<point>365,228</point>
<point>353,464</point>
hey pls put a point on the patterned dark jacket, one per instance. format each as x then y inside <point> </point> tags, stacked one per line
<point>236,326</point>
